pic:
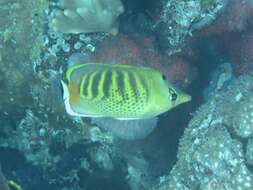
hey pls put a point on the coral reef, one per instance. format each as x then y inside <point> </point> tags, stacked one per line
<point>180,18</point>
<point>26,18</point>
<point>249,152</point>
<point>178,70</point>
<point>236,17</point>
<point>219,79</point>
<point>84,16</point>
<point>211,152</point>
<point>233,30</point>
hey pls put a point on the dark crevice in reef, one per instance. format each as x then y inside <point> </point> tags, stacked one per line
<point>172,124</point>
<point>15,167</point>
<point>138,6</point>
<point>139,17</point>
<point>210,53</point>
<point>165,138</point>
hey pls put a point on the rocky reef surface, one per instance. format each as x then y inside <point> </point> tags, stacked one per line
<point>214,152</point>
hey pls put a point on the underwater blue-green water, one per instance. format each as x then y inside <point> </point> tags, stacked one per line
<point>126,94</point>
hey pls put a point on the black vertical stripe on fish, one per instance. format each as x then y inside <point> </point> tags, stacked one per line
<point>145,90</point>
<point>121,84</point>
<point>141,86</point>
<point>127,86</point>
<point>94,88</point>
<point>133,85</point>
<point>107,83</point>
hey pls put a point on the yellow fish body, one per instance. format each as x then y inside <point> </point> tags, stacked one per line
<point>118,91</point>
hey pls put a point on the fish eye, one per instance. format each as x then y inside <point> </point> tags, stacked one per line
<point>174,97</point>
<point>173,94</point>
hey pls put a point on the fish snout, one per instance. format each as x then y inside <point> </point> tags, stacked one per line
<point>183,98</point>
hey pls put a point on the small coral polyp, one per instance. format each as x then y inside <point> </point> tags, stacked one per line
<point>84,16</point>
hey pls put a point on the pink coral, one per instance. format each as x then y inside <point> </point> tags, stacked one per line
<point>242,54</point>
<point>179,71</point>
<point>235,18</point>
<point>119,50</point>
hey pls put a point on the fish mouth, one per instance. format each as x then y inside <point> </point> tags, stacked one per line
<point>185,98</point>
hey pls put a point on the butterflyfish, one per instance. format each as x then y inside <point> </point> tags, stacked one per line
<point>124,99</point>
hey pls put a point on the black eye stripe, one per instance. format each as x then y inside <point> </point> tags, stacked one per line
<point>173,97</point>
<point>173,94</point>
<point>171,91</point>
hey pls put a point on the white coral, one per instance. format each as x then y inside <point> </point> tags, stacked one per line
<point>84,16</point>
